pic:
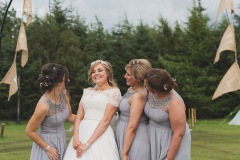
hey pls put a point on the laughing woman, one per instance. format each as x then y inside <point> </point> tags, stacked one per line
<point>93,137</point>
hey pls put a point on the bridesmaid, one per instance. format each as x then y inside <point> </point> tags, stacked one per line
<point>52,110</point>
<point>131,129</point>
<point>169,134</point>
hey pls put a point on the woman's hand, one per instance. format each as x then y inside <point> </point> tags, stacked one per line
<point>53,154</point>
<point>82,148</point>
<point>76,143</point>
<point>125,157</point>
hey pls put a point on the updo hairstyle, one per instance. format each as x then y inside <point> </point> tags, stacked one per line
<point>160,80</point>
<point>138,69</point>
<point>51,75</point>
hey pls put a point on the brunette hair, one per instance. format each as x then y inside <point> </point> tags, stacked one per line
<point>51,75</point>
<point>160,80</point>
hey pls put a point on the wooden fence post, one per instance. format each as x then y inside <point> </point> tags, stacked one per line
<point>189,115</point>
<point>2,129</point>
<point>192,117</point>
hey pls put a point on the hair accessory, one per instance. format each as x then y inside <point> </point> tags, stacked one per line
<point>46,76</point>
<point>165,87</point>
<point>99,61</point>
<point>45,84</point>
<point>54,68</point>
<point>41,84</point>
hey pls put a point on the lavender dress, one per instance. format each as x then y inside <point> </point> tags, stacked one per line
<point>52,129</point>
<point>140,148</point>
<point>160,131</point>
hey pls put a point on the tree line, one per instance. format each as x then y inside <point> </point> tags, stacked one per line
<point>185,50</point>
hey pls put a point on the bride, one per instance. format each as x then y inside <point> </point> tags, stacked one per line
<point>93,137</point>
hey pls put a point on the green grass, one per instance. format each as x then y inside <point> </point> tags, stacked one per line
<point>215,140</point>
<point>211,140</point>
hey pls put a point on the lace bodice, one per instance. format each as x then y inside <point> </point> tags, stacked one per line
<point>95,102</point>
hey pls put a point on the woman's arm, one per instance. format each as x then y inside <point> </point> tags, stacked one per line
<point>79,117</point>
<point>137,103</point>
<point>71,117</point>
<point>176,111</point>
<point>37,118</point>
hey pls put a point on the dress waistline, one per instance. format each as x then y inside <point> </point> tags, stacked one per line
<point>157,125</point>
<point>126,119</point>
<point>86,118</point>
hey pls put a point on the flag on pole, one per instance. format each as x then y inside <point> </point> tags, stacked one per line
<point>11,79</point>
<point>225,4</point>
<point>22,45</point>
<point>27,11</point>
<point>230,81</point>
<point>227,42</point>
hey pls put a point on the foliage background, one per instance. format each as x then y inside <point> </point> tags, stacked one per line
<point>186,51</point>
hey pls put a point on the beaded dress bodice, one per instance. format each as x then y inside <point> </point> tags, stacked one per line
<point>58,113</point>
<point>156,109</point>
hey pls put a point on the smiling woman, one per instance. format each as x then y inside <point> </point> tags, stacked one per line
<point>93,137</point>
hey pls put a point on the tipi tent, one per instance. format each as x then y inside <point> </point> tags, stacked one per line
<point>236,119</point>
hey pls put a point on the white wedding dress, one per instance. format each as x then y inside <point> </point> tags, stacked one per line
<point>94,104</point>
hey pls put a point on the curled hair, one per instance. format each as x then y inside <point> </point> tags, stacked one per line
<point>51,75</point>
<point>138,69</point>
<point>108,68</point>
<point>160,80</point>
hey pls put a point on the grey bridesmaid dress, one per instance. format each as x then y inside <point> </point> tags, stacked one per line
<point>160,131</point>
<point>140,148</point>
<point>52,129</point>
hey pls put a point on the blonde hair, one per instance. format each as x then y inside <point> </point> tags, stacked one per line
<point>108,68</point>
<point>138,69</point>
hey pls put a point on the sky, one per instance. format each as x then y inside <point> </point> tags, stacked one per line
<point>111,12</point>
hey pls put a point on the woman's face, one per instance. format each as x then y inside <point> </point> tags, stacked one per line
<point>99,74</point>
<point>130,80</point>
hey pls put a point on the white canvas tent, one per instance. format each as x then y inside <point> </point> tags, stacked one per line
<point>236,119</point>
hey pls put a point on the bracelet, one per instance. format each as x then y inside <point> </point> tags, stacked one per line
<point>47,148</point>
<point>87,144</point>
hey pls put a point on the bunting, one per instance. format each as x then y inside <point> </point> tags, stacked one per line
<point>11,76</point>
<point>11,79</point>
<point>223,5</point>
<point>27,11</point>
<point>230,81</point>
<point>227,43</point>
<point>22,45</point>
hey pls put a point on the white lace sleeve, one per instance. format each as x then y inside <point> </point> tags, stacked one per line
<point>85,92</point>
<point>114,97</point>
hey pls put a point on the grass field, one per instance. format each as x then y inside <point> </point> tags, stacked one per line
<point>211,140</point>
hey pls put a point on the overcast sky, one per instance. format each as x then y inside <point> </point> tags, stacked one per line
<point>111,12</point>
